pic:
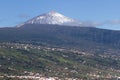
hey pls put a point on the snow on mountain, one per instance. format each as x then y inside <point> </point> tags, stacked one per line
<point>52,18</point>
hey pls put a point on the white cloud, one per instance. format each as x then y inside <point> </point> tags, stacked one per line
<point>95,24</point>
<point>91,23</point>
<point>114,22</point>
<point>24,16</point>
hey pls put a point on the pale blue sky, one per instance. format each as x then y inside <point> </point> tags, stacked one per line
<point>104,12</point>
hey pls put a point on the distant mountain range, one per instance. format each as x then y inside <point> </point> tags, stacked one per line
<point>51,29</point>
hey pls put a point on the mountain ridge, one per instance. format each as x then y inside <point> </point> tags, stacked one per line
<point>85,38</point>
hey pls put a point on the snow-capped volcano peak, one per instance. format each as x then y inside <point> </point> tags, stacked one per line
<point>54,18</point>
<point>50,18</point>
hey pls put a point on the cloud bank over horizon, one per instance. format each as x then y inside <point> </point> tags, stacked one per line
<point>95,24</point>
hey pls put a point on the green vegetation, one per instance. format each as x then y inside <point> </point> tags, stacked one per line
<point>60,64</point>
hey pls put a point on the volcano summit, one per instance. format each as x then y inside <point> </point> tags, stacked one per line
<point>53,18</point>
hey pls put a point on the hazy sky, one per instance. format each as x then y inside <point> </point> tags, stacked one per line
<point>101,13</point>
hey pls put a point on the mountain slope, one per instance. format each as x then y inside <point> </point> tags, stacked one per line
<point>17,59</point>
<point>85,38</point>
<point>52,45</point>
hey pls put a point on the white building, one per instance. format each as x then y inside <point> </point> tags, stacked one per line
<point>118,78</point>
